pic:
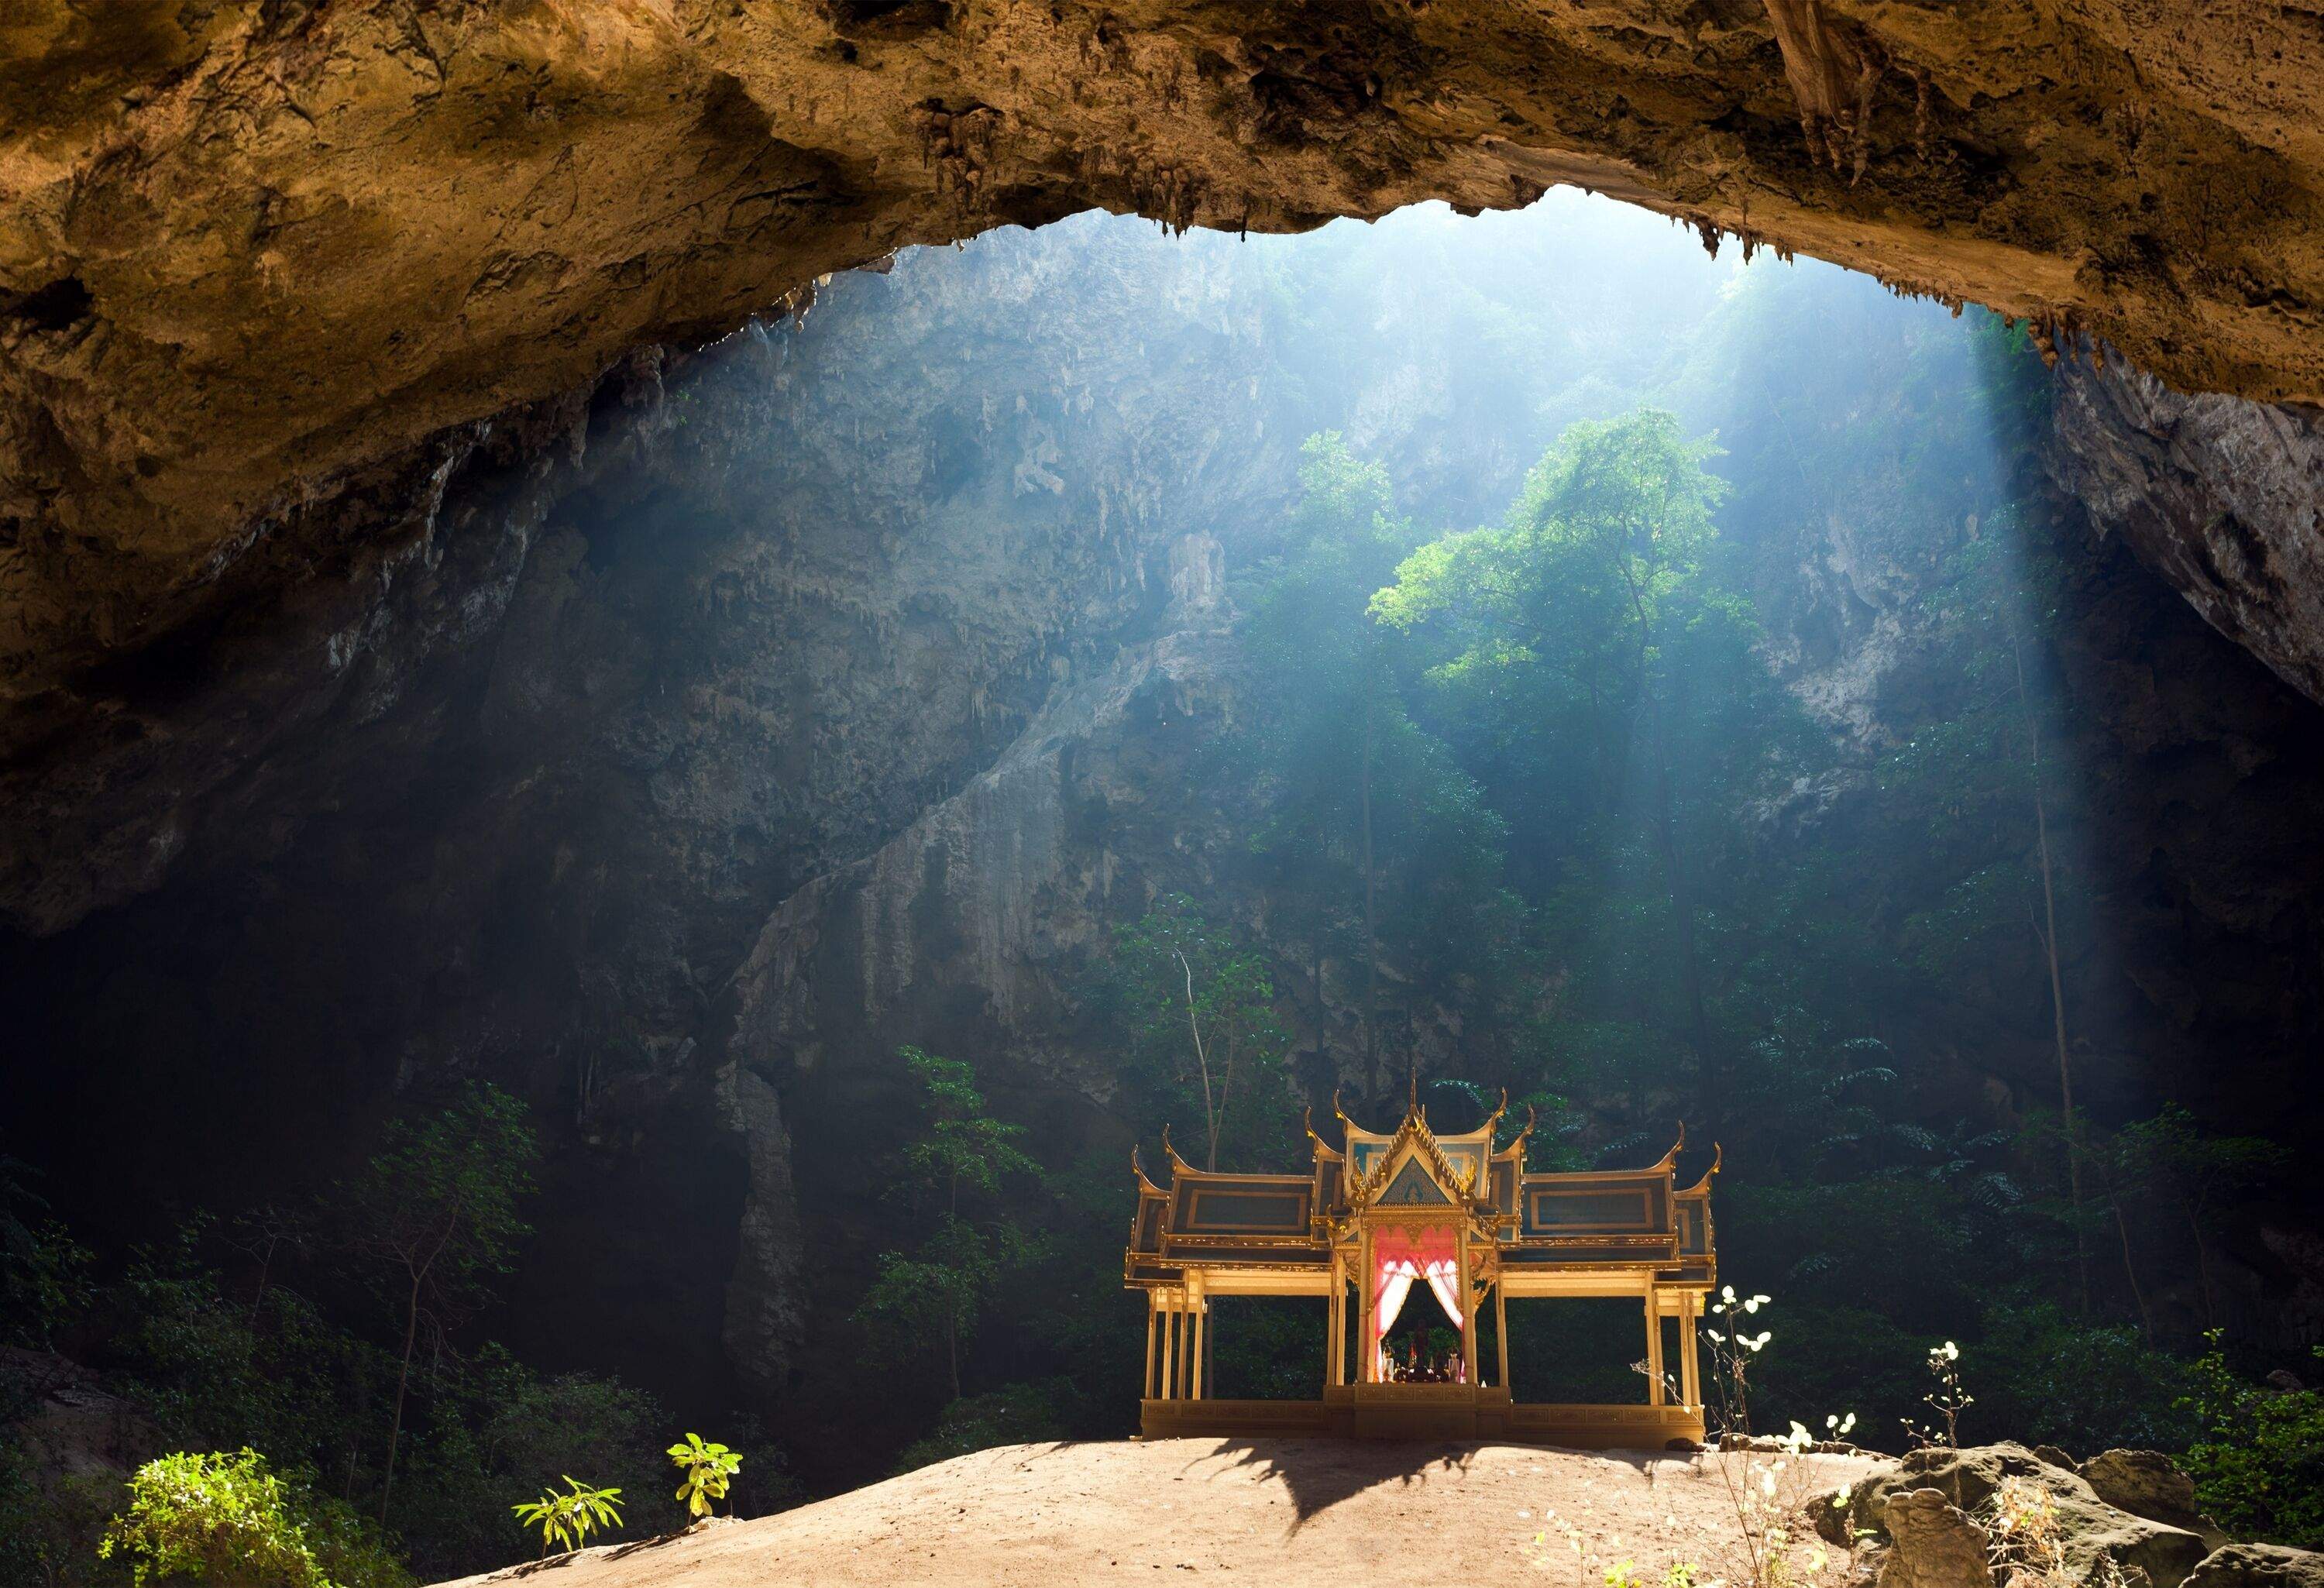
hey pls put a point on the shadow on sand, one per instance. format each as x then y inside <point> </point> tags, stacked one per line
<point>1320,1472</point>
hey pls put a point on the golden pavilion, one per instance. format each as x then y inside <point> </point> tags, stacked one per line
<point>1383,1213</point>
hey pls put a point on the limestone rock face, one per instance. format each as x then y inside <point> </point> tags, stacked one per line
<point>2259,1565</point>
<point>262,264</point>
<point>2224,498</point>
<point>978,919</point>
<point>2148,1483</point>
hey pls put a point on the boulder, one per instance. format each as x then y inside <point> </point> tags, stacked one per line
<point>1932,1544</point>
<point>2147,1484</point>
<point>2095,1536</point>
<point>2258,1565</point>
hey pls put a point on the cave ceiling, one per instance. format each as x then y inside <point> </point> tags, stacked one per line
<point>258,261</point>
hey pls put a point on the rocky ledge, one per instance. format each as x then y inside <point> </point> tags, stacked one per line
<point>2001,1514</point>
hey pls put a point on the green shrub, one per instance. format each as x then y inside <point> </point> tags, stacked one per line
<point>569,1518</point>
<point>1015,1414</point>
<point>709,1467</point>
<point>225,1519</point>
<point>492,1427</point>
<point>2045,1377</point>
<point>2258,1466</point>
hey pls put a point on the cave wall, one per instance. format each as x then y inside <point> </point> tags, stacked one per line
<point>749,615</point>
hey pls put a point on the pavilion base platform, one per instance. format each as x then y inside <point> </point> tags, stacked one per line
<point>1460,1412</point>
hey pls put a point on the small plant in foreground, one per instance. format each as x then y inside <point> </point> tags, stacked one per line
<point>709,1467</point>
<point>2024,1540</point>
<point>1732,1351</point>
<point>224,1517</point>
<point>2027,1543</point>
<point>569,1518</point>
<point>1767,1491</point>
<point>1949,1399</point>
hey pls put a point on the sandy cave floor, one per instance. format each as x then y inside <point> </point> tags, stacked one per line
<point>1277,1511</point>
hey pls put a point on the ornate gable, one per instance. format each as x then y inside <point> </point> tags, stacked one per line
<point>1411,1168</point>
<point>1413,1186</point>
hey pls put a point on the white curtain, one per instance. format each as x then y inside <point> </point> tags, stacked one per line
<point>1444,1278</point>
<point>1391,1283</point>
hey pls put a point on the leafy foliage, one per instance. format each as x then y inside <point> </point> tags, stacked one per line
<point>709,1467</point>
<point>44,1273</point>
<point>437,1209</point>
<point>956,1166</point>
<point>2258,1464</point>
<point>228,1519</point>
<point>567,1519</point>
<point>1198,1008</point>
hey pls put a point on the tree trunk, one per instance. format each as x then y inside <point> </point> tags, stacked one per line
<point>1713,1089</point>
<point>951,1348</point>
<point>1371,921</point>
<point>1316,988</point>
<point>2203,1267</point>
<point>2057,984</point>
<point>1211,1108</point>
<point>402,1382</point>
<point>2130,1272</point>
<point>257,1297</point>
<point>1677,886</point>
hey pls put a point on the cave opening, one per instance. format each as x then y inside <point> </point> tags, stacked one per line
<point>1525,651</point>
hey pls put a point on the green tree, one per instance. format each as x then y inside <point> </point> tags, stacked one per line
<point>1375,846</point>
<point>1333,670</point>
<point>1983,777</point>
<point>436,1211</point>
<point>1583,603</point>
<point>957,1166</point>
<point>1199,1010</point>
